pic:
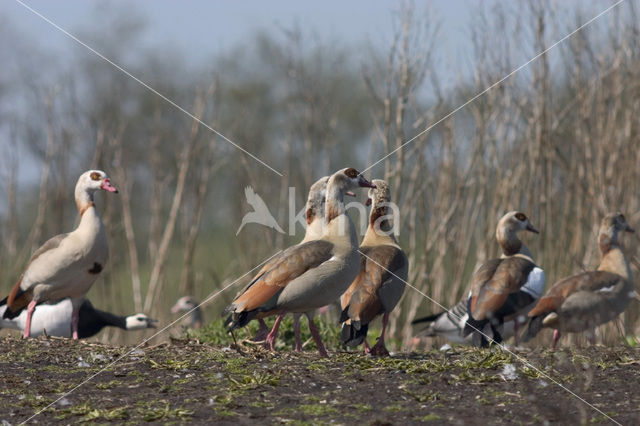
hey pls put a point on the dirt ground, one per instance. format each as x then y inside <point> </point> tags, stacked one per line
<point>185,381</point>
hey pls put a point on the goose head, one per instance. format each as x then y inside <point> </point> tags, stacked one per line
<point>379,194</point>
<point>93,180</point>
<point>339,184</point>
<point>139,322</point>
<point>508,227</point>
<point>185,303</point>
<point>611,225</point>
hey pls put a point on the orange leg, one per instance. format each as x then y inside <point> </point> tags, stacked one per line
<point>30,308</point>
<point>296,332</point>
<point>274,332</point>
<point>556,337</point>
<point>75,316</point>
<point>379,348</point>
<point>316,337</point>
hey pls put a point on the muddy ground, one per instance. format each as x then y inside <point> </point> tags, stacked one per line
<point>185,381</point>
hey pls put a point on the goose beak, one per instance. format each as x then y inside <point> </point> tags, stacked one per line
<point>531,228</point>
<point>106,185</point>
<point>629,229</point>
<point>368,202</point>
<point>350,193</point>
<point>151,323</point>
<point>365,183</point>
<point>175,309</point>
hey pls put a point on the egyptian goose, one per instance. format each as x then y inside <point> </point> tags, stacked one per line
<point>188,303</point>
<point>55,320</point>
<point>314,216</point>
<point>504,288</point>
<point>450,324</point>
<point>383,273</point>
<point>310,275</point>
<point>586,300</point>
<point>67,265</point>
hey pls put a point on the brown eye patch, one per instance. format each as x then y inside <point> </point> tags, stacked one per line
<point>622,219</point>
<point>95,176</point>
<point>351,172</point>
<point>521,217</point>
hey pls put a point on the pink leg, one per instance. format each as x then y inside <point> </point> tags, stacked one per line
<point>556,337</point>
<point>296,332</point>
<point>379,348</point>
<point>263,331</point>
<point>316,337</point>
<point>274,332</point>
<point>591,336</point>
<point>75,315</point>
<point>367,349</point>
<point>30,308</point>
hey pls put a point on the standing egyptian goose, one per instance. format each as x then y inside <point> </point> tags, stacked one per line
<point>55,320</point>
<point>67,265</point>
<point>507,287</point>
<point>586,300</point>
<point>383,273</point>
<point>310,275</point>
<point>450,324</point>
<point>188,303</point>
<point>314,218</point>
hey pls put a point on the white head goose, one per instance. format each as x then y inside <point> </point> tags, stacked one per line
<point>586,300</point>
<point>55,320</point>
<point>188,303</point>
<point>383,272</point>
<point>67,265</point>
<point>314,218</point>
<point>450,324</point>
<point>507,287</point>
<point>309,275</point>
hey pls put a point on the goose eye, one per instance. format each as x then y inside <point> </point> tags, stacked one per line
<point>95,176</point>
<point>521,217</point>
<point>351,172</point>
<point>622,219</point>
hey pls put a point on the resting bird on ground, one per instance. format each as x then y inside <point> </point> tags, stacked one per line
<point>450,324</point>
<point>584,301</point>
<point>383,273</point>
<point>67,265</point>
<point>55,320</point>
<point>507,287</point>
<point>310,275</point>
<point>188,303</point>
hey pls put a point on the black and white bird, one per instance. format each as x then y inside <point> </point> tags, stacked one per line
<point>55,320</point>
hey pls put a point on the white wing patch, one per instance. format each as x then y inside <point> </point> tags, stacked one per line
<point>606,289</point>
<point>535,283</point>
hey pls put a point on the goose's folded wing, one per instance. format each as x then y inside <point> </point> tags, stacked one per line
<point>509,276</point>
<point>290,265</point>
<point>585,281</point>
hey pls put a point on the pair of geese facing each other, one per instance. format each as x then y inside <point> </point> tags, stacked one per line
<point>506,292</point>
<point>328,264</point>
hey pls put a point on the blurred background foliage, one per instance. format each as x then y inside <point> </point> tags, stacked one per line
<point>558,140</point>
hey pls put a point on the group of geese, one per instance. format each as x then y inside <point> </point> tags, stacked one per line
<point>328,264</point>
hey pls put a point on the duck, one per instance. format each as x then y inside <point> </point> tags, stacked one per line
<point>54,319</point>
<point>504,288</point>
<point>306,276</point>
<point>313,216</point>
<point>188,303</point>
<point>380,283</point>
<point>586,300</point>
<point>68,264</point>
<point>449,324</point>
